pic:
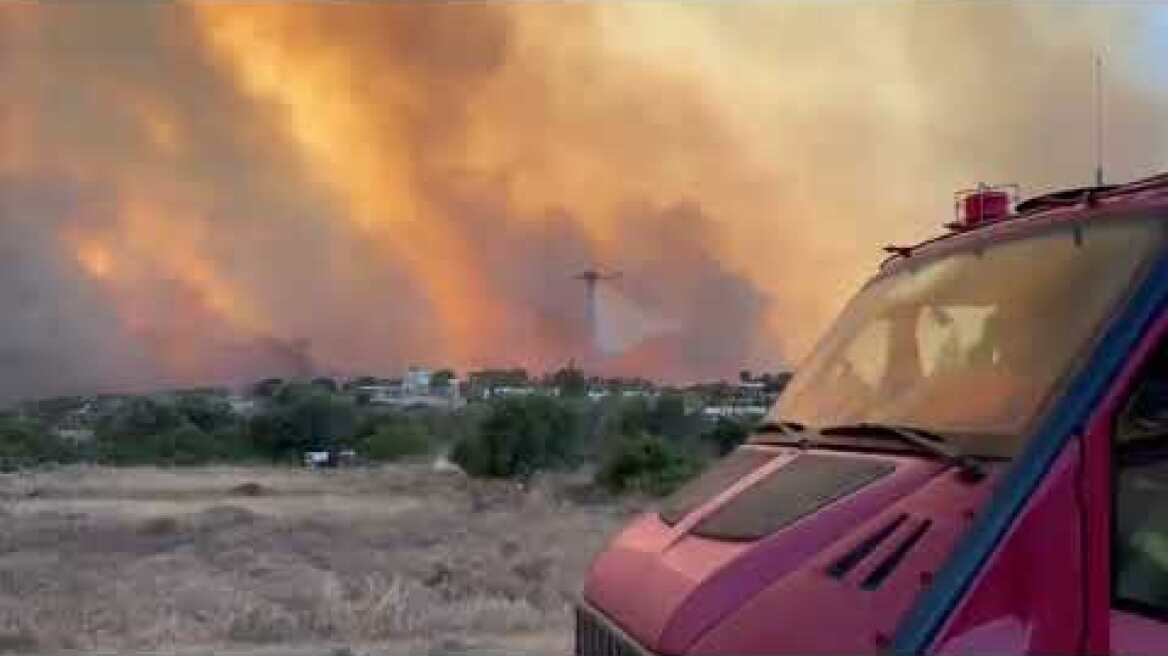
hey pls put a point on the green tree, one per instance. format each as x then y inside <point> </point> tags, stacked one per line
<point>325,383</point>
<point>726,435</point>
<point>267,387</point>
<point>633,417</point>
<point>441,379</point>
<point>206,412</point>
<point>620,416</point>
<point>137,417</point>
<point>24,442</point>
<point>323,418</point>
<point>570,380</point>
<point>396,440</point>
<point>303,416</point>
<point>294,391</point>
<point>186,445</point>
<point>271,435</point>
<point>134,432</point>
<point>647,464</point>
<point>520,436</point>
<point>667,417</point>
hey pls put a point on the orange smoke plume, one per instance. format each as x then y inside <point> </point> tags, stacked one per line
<point>216,192</point>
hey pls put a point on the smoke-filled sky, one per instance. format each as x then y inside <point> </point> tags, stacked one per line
<point>198,193</point>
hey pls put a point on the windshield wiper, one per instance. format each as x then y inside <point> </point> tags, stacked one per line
<point>790,432</point>
<point>925,440</point>
<point>781,426</point>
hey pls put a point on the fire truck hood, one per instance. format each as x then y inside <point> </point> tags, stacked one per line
<point>813,551</point>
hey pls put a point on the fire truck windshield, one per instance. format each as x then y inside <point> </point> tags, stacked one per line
<point>972,343</point>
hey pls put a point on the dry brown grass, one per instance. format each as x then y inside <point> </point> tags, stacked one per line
<point>392,560</point>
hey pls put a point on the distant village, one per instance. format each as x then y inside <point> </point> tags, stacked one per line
<point>746,399</point>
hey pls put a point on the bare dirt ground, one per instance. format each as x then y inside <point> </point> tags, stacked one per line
<point>262,561</point>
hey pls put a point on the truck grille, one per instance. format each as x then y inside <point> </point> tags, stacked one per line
<point>595,637</point>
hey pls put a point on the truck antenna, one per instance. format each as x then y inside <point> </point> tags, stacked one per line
<point>1098,120</point>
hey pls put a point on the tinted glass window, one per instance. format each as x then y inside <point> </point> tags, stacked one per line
<point>1141,523</point>
<point>1141,495</point>
<point>799,488</point>
<point>975,341</point>
<point>713,482</point>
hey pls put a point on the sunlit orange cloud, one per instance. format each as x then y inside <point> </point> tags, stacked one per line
<point>162,129</point>
<point>556,123</point>
<point>355,145</point>
<point>95,258</point>
<point>176,244</point>
<point>149,245</point>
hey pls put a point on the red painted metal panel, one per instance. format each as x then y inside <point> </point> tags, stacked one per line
<point>685,584</point>
<point>1029,598</point>
<point>811,612</point>
<point>1046,589</point>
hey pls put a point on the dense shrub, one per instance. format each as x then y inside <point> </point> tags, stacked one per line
<point>322,417</point>
<point>632,416</point>
<point>646,463</point>
<point>192,428</point>
<point>302,417</point>
<point>726,434</point>
<point>640,442</point>
<point>185,444</point>
<point>669,419</point>
<point>396,440</point>
<point>139,417</point>
<point>24,443</point>
<point>206,412</point>
<point>519,437</point>
<point>664,416</point>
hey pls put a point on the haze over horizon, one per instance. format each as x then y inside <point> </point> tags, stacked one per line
<point>199,193</point>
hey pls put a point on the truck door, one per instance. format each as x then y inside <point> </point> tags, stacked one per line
<point>1085,567</point>
<point>1138,560</point>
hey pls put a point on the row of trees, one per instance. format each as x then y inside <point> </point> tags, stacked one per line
<point>642,446</point>
<point>636,444</point>
<point>24,442</point>
<point>192,428</point>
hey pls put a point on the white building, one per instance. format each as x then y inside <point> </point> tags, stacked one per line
<point>733,411</point>
<point>241,405</point>
<point>512,390</point>
<point>416,382</point>
<point>414,390</point>
<point>638,393</point>
<point>382,394</point>
<point>76,435</point>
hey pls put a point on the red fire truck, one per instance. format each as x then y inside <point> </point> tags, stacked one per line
<point>974,459</point>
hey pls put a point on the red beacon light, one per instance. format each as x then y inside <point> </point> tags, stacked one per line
<point>985,204</point>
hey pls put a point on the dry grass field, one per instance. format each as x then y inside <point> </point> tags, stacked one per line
<point>402,559</point>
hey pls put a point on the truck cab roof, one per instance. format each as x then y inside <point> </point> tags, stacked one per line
<point>1057,207</point>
